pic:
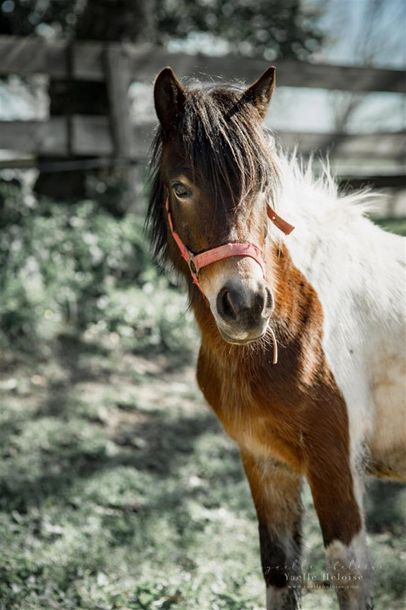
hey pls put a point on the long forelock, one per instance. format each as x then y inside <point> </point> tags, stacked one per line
<point>224,145</point>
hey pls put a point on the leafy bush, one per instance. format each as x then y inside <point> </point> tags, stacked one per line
<point>77,264</point>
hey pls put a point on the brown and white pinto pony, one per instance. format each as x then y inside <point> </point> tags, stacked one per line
<point>330,296</point>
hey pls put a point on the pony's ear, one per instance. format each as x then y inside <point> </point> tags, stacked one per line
<point>169,97</point>
<point>259,93</point>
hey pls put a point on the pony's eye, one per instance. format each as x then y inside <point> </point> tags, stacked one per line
<point>181,190</point>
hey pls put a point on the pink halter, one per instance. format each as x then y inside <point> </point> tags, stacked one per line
<point>195,262</point>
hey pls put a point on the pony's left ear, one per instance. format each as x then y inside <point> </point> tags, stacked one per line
<point>259,93</point>
<point>169,97</point>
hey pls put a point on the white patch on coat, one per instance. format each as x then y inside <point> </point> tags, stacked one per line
<point>352,558</point>
<point>358,271</point>
<point>349,571</point>
<point>388,439</point>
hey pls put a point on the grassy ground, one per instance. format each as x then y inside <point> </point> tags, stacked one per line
<point>118,489</point>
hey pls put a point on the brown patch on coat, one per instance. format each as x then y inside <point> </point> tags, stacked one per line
<point>293,411</point>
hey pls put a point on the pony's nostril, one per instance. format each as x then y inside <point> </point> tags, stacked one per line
<point>259,302</point>
<point>229,307</point>
<point>225,305</point>
<point>269,299</point>
<point>236,303</point>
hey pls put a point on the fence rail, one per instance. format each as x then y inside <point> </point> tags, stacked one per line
<point>86,61</point>
<point>115,137</point>
<point>91,136</point>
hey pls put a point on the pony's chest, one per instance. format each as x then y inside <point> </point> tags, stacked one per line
<point>255,424</point>
<point>251,411</point>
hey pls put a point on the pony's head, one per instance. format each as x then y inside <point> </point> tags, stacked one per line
<point>214,178</point>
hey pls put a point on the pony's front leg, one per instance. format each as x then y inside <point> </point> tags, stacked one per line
<point>338,503</point>
<point>275,489</point>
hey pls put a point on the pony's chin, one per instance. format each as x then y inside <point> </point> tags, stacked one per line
<point>239,340</point>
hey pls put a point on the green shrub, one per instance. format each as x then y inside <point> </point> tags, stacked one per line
<point>76,264</point>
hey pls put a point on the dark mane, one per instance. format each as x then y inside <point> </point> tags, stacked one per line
<point>223,143</point>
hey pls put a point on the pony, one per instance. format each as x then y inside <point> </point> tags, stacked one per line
<point>302,335</point>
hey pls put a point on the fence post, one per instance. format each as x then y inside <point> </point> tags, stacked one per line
<point>69,97</point>
<point>117,70</point>
<point>118,80</point>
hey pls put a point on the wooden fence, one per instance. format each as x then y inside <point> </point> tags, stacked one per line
<point>115,138</point>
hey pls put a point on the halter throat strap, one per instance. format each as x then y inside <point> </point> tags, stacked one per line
<point>279,222</point>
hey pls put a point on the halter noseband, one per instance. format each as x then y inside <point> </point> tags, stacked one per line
<point>195,262</point>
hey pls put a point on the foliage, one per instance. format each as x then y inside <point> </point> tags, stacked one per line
<point>24,17</point>
<point>280,28</point>
<point>120,491</point>
<point>79,265</point>
<point>277,28</point>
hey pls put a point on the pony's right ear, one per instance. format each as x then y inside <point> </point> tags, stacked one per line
<point>259,93</point>
<point>169,97</point>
